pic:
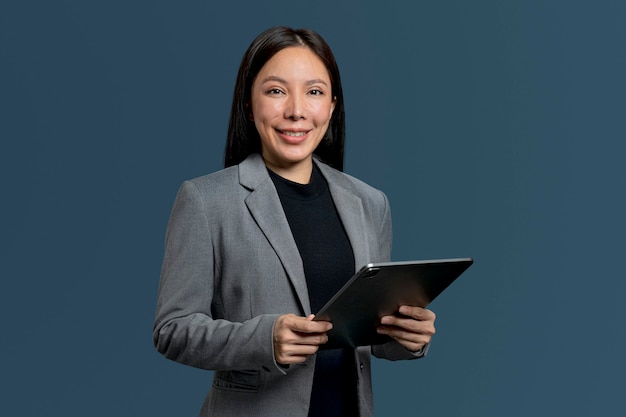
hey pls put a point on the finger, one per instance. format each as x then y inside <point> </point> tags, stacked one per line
<point>403,334</point>
<point>297,350</point>
<point>417,313</point>
<point>411,341</point>
<point>308,339</point>
<point>294,354</point>
<point>301,324</point>
<point>293,346</point>
<point>304,325</point>
<point>289,337</point>
<point>409,324</point>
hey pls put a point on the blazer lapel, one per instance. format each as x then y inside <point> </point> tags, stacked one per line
<point>350,209</point>
<point>266,209</point>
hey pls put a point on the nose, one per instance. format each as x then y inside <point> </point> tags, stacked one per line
<point>294,108</point>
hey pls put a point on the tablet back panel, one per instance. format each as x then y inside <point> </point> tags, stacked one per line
<point>379,289</point>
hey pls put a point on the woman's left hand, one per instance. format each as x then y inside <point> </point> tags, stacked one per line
<point>412,327</point>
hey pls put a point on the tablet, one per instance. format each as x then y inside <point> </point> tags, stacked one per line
<point>379,289</point>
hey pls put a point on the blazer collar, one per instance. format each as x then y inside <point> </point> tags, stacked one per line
<point>350,209</point>
<point>265,207</point>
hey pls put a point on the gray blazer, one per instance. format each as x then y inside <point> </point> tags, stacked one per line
<point>231,267</point>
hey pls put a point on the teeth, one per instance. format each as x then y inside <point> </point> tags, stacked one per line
<point>296,134</point>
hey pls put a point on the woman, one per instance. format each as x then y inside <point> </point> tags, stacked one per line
<point>252,250</point>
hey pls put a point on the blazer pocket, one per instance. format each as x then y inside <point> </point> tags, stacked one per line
<point>243,381</point>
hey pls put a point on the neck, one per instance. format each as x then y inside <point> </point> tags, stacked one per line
<point>299,172</point>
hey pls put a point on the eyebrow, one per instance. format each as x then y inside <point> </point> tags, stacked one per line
<point>280,80</point>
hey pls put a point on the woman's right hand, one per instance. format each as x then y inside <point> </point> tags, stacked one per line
<point>296,338</point>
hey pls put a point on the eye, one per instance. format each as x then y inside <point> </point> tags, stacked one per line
<point>273,91</point>
<point>316,92</point>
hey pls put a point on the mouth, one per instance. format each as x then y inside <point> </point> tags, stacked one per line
<point>293,133</point>
<point>293,137</point>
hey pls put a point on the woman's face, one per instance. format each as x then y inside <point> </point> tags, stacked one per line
<point>292,103</point>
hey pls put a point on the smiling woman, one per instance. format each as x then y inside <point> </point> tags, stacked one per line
<point>291,108</point>
<point>243,136</point>
<point>254,249</point>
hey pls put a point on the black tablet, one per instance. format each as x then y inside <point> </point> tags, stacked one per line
<point>379,289</point>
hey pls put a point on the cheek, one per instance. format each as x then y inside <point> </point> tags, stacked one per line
<point>265,112</point>
<point>324,112</point>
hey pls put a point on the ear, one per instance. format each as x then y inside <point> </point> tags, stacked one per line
<point>332,106</point>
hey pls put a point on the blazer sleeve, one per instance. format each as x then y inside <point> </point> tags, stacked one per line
<point>184,328</point>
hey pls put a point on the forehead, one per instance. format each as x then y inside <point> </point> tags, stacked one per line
<point>298,62</point>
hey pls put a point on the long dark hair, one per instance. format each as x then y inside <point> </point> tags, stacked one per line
<point>243,138</point>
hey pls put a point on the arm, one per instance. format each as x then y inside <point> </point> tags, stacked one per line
<point>411,327</point>
<point>185,329</point>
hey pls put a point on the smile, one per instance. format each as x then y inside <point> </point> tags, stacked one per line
<point>294,134</point>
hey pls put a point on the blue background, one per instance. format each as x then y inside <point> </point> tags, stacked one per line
<point>495,127</point>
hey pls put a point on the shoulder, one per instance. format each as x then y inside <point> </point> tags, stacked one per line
<point>349,192</point>
<point>246,177</point>
<point>197,197</point>
<point>214,182</point>
<point>353,185</point>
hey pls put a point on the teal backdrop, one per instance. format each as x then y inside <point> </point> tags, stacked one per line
<point>495,127</point>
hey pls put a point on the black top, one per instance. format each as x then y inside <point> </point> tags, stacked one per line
<point>328,263</point>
